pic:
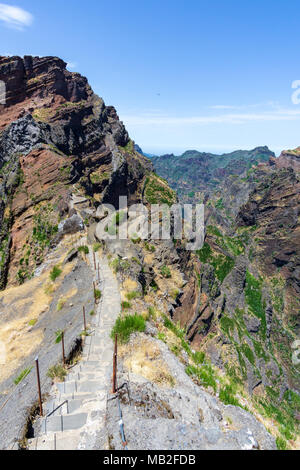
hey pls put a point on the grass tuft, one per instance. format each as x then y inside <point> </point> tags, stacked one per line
<point>55,273</point>
<point>124,327</point>
<point>57,372</point>
<point>22,376</point>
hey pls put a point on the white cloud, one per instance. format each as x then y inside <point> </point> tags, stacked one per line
<point>231,118</point>
<point>271,104</point>
<point>15,17</point>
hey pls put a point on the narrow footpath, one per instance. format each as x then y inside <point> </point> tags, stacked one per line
<point>75,413</point>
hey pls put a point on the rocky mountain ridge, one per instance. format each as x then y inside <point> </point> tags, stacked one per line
<point>195,174</point>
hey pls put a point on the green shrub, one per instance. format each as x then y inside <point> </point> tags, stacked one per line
<point>96,247</point>
<point>92,313</point>
<point>152,313</point>
<point>253,295</point>
<point>165,272</point>
<point>207,377</point>
<point>179,332</point>
<point>223,267</point>
<point>198,357</point>
<point>85,333</point>
<point>55,273</point>
<point>281,443</point>
<point>191,370</point>
<point>205,253</point>
<point>126,305</point>
<point>158,192</point>
<point>154,286</point>
<point>98,294</point>
<point>133,295</point>
<point>124,327</point>
<point>57,372</point>
<point>84,249</point>
<point>150,248</point>
<point>60,304</point>
<point>227,396</point>
<point>161,336</point>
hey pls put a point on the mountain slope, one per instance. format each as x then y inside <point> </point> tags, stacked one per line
<point>194,174</point>
<point>242,309</point>
<point>62,153</point>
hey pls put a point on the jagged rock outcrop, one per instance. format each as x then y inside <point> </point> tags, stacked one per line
<point>289,159</point>
<point>57,139</point>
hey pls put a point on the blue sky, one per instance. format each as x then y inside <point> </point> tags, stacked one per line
<point>212,75</point>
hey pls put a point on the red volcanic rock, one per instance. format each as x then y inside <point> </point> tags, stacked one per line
<point>33,83</point>
<point>54,132</point>
<point>274,209</point>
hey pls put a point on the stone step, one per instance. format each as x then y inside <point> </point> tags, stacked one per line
<point>87,367</point>
<point>64,423</point>
<point>65,407</point>
<point>75,396</point>
<point>69,386</point>
<point>85,375</point>
<point>91,386</point>
<point>56,441</point>
<point>42,443</point>
<point>94,356</point>
<point>105,355</point>
<point>63,441</point>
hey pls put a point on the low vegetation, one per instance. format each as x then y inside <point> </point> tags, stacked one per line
<point>83,249</point>
<point>127,325</point>
<point>133,295</point>
<point>165,272</point>
<point>55,273</point>
<point>97,294</point>
<point>57,373</point>
<point>22,375</point>
<point>157,191</point>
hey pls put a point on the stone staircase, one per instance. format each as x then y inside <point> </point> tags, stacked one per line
<point>75,414</point>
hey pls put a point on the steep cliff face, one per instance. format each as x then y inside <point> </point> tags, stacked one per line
<point>58,141</point>
<point>242,308</point>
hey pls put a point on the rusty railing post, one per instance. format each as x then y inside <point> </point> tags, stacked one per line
<point>94,257</point>
<point>63,348</point>
<point>115,359</point>
<point>98,272</point>
<point>39,385</point>
<point>94,287</point>
<point>84,319</point>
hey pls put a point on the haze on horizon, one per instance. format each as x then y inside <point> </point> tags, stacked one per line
<point>182,75</point>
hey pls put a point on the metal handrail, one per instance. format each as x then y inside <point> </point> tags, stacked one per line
<point>57,408</point>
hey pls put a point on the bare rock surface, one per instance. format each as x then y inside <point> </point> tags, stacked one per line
<point>183,416</point>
